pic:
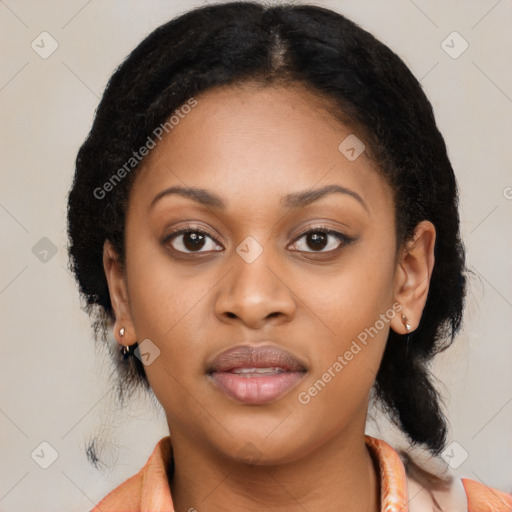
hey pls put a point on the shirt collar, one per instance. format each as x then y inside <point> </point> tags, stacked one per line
<point>393,480</point>
<point>156,494</point>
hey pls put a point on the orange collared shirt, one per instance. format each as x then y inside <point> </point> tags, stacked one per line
<point>148,490</point>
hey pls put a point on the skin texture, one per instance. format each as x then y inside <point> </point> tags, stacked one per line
<point>251,146</point>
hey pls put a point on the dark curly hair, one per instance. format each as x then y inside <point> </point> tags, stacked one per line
<point>367,86</point>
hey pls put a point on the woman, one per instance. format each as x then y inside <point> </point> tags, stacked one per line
<point>265,214</point>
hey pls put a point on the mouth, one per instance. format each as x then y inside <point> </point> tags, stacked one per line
<point>255,375</point>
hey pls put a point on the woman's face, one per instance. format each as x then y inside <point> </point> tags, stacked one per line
<point>307,315</point>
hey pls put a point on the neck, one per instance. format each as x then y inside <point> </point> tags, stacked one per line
<point>341,475</point>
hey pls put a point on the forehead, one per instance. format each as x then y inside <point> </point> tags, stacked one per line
<point>251,143</point>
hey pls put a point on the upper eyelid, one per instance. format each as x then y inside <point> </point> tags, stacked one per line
<point>192,228</point>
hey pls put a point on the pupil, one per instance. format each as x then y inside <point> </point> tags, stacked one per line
<point>193,241</point>
<point>319,240</point>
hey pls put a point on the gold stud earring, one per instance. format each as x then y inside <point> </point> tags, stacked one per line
<point>126,350</point>
<point>407,325</point>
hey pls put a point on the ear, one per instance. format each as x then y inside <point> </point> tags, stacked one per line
<point>412,278</point>
<point>114,273</point>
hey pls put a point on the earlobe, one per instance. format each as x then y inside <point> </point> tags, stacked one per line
<point>412,279</point>
<point>115,275</point>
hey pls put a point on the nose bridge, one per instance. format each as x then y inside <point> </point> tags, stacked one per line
<point>254,290</point>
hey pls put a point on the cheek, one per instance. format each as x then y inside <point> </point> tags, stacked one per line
<point>168,316</point>
<point>161,293</point>
<point>336,392</point>
<point>165,301</point>
<point>168,311</point>
<point>352,297</point>
<point>355,308</point>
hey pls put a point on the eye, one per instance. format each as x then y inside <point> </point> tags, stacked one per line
<point>190,239</point>
<point>319,238</point>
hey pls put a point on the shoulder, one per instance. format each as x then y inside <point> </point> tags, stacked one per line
<point>457,495</point>
<point>429,485</point>
<point>125,497</point>
<point>482,498</point>
<point>146,490</point>
<point>451,494</point>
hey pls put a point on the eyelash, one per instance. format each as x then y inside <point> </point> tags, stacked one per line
<point>344,239</point>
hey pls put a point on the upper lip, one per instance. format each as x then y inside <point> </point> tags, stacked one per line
<point>246,356</point>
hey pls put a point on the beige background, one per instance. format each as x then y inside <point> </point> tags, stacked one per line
<point>54,386</point>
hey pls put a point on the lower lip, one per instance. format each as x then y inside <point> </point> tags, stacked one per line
<point>256,390</point>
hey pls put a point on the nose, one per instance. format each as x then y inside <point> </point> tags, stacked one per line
<point>255,294</point>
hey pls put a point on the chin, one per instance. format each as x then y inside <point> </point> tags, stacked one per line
<point>273,444</point>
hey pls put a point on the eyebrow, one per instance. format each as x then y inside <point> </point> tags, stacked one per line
<point>294,200</point>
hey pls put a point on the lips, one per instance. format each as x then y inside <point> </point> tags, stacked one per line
<point>255,375</point>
